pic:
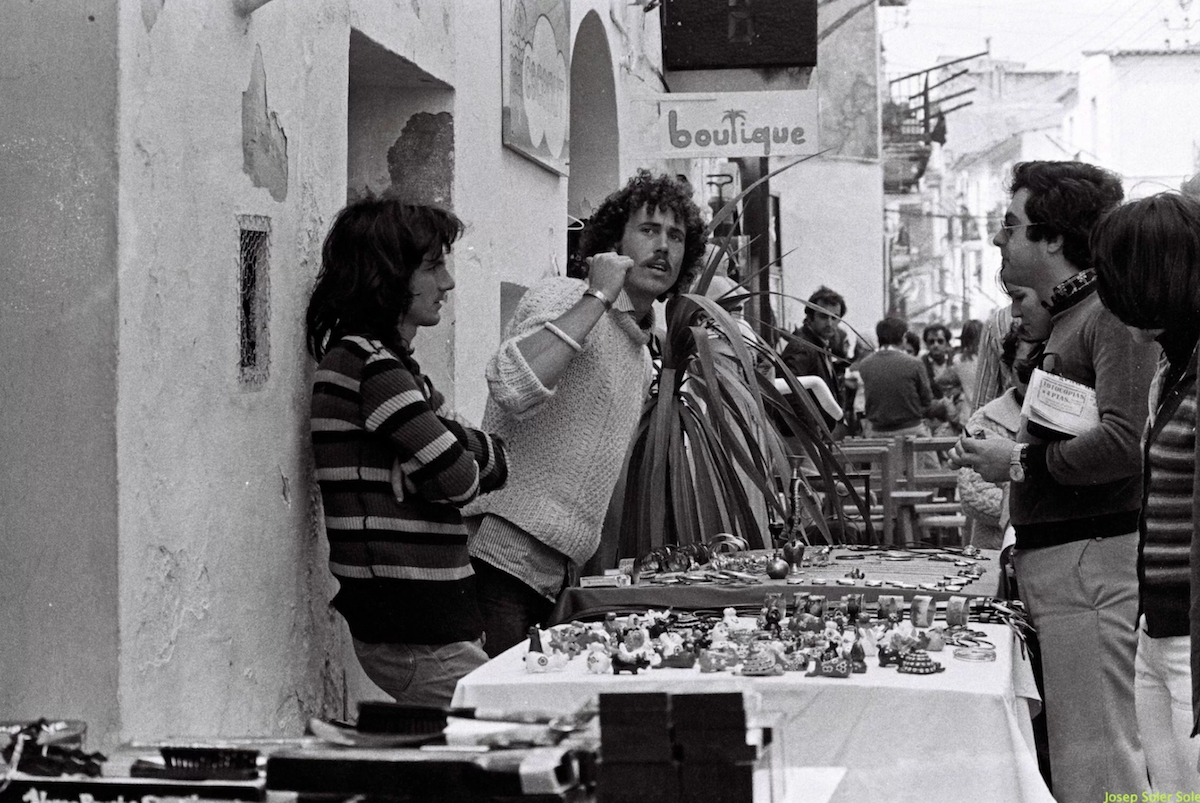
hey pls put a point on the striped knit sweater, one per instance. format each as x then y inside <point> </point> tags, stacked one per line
<point>1164,552</point>
<point>395,466</point>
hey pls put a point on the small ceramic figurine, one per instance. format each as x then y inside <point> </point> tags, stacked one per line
<point>599,662</point>
<point>858,657</point>
<point>535,639</point>
<point>710,662</point>
<point>729,617</point>
<point>772,614</point>
<point>761,663</point>
<point>669,644</point>
<point>683,659</point>
<point>935,640</point>
<point>830,668</point>
<point>795,661</point>
<point>627,662</point>
<point>918,662</point>
<point>816,605</point>
<point>537,662</point>
<point>564,642</point>
<point>888,657</point>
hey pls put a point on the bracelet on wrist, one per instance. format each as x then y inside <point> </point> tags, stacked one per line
<point>594,293</point>
<point>563,336</point>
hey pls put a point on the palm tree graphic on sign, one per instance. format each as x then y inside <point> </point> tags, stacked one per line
<point>733,115</point>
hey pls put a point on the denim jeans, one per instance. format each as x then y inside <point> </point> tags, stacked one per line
<point>419,674</point>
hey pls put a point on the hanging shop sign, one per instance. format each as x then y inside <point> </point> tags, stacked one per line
<point>536,80</point>
<point>707,35</point>
<point>729,124</point>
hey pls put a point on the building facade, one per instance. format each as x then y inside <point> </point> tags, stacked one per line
<point>167,174</point>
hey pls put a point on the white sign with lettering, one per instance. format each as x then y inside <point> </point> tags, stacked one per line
<point>536,81</point>
<point>728,124</point>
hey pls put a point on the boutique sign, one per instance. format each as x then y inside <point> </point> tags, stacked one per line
<point>729,124</point>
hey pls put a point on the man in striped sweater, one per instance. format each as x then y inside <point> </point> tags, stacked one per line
<point>393,462</point>
<point>1148,271</point>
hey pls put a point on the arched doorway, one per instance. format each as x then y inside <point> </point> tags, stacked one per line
<point>594,138</point>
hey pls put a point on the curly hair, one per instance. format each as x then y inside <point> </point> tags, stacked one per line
<point>644,190</point>
<point>1147,259</point>
<point>1065,200</point>
<point>367,263</point>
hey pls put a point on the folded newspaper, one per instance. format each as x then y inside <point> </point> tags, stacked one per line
<point>1060,404</point>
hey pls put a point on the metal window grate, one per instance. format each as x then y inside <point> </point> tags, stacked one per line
<point>254,260</point>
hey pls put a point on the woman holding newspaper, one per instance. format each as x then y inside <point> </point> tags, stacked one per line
<point>1147,259</point>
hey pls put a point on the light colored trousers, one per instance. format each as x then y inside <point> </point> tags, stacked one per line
<point>1083,600</point>
<point>419,674</point>
<point>1163,690</point>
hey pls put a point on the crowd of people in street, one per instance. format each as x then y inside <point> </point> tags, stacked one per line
<point>449,541</point>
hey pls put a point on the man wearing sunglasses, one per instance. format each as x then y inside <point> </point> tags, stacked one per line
<point>1075,501</point>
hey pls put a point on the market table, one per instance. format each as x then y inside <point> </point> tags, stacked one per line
<point>961,734</point>
<point>902,577</point>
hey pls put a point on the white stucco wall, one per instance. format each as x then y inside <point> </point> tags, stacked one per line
<point>1156,135</point>
<point>1091,121</point>
<point>223,587</point>
<point>832,223</point>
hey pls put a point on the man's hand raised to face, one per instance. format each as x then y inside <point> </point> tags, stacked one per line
<point>607,272</point>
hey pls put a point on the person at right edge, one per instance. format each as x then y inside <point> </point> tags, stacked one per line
<point>1147,257</point>
<point>1075,502</point>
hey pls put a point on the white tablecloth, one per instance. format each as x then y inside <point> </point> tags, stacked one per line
<point>961,734</point>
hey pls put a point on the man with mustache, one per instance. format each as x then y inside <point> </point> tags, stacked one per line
<point>1075,501</point>
<point>566,392</point>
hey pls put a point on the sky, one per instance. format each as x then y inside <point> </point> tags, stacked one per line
<point>1044,34</point>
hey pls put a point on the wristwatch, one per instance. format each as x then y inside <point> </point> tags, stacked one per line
<point>1016,463</point>
<point>594,293</point>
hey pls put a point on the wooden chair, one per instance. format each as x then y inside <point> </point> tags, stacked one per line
<point>880,457</point>
<point>931,516</point>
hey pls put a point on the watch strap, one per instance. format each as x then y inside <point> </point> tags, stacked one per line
<point>1016,464</point>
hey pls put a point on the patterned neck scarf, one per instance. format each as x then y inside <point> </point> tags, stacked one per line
<point>1071,291</point>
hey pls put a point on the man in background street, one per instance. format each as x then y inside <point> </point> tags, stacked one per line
<point>812,349</point>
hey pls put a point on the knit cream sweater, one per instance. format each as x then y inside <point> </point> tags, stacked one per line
<point>565,444</point>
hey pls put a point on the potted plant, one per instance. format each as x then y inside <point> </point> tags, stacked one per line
<point>710,445</point>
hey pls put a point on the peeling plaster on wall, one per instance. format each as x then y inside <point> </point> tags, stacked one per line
<point>848,87</point>
<point>150,9</point>
<point>845,130</point>
<point>264,143</point>
<point>421,162</point>
<point>180,588</point>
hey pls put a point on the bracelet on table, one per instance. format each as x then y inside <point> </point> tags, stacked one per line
<point>563,336</point>
<point>594,293</point>
<point>975,654</point>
